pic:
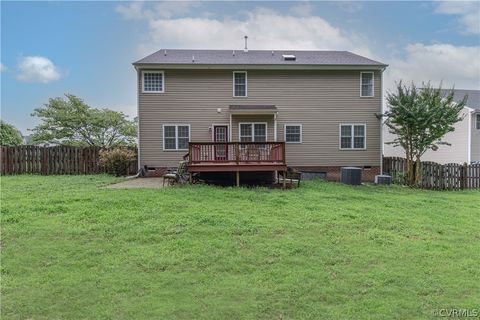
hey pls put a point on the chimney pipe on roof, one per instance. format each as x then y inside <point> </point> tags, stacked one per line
<point>246,44</point>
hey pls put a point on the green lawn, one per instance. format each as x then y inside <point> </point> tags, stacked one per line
<point>74,250</point>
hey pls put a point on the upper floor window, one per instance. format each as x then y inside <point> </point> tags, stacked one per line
<point>176,136</point>
<point>352,136</point>
<point>366,84</point>
<point>478,121</point>
<point>253,132</point>
<point>239,83</point>
<point>153,81</point>
<point>293,133</point>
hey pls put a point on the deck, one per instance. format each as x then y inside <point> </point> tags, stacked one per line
<point>236,156</point>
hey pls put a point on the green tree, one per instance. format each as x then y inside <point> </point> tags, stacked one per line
<point>419,118</point>
<point>71,121</point>
<point>9,135</point>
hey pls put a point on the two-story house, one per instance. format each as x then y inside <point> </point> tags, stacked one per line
<point>251,110</point>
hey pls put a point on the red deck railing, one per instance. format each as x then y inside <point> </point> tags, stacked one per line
<point>236,152</point>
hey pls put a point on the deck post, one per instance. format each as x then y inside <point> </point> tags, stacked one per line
<point>238,178</point>
<point>190,177</point>
<point>237,152</point>
<point>284,186</point>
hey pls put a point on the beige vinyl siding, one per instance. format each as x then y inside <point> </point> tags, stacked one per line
<point>319,100</point>
<point>475,140</point>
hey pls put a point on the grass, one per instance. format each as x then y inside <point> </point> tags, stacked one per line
<point>74,250</point>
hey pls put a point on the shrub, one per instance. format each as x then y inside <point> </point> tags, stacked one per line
<point>117,160</point>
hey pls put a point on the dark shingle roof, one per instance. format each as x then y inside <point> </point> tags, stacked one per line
<point>473,100</point>
<point>256,57</point>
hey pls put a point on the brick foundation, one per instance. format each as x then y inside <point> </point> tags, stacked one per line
<point>158,172</point>
<point>334,173</point>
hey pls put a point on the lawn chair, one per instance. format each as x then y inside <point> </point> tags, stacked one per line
<point>292,177</point>
<point>178,176</point>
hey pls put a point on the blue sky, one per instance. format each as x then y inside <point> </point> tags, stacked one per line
<point>86,48</point>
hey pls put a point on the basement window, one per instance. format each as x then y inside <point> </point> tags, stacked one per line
<point>289,57</point>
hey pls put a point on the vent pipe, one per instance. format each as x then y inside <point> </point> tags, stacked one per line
<point>246,44</point>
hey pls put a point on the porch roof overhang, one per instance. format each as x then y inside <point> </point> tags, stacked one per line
<point>252,109</point>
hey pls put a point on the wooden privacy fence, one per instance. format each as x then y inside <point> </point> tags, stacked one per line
<point>53,160</point>
<point>451,176</point>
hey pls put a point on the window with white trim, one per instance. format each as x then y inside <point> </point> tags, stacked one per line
<point>253,132</point>
<point>366,84</point>
<point>352,136</point>
<point>176,136</point>
<point>152,81</point>
<point>293,133</point>
<point>239,83</point>
<point>478,121</point>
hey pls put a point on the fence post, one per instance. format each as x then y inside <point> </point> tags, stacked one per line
<point>464,176</point>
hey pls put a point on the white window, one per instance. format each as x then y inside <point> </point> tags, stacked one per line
<point>153,81</point>
<point>239,83</point>
<point>253,132</point>
<point>176,136</point>
<point>366,84</point>
<point>293,133</point>
<point>478,121</point>
<point>352,136</point>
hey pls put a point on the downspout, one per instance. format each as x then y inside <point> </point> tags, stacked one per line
<point>381,122</point>
<point>138,118</point>
<point>469,136</point>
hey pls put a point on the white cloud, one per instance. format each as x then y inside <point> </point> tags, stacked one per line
<point>454,65</point>
<point>349,6</point>
<point>302,9</point>
<point>468,12</point>
<point>2,67</point>
<point>165,9</point>
<point>267,29</point>
<point>37,69</point>
<point>132,11</point>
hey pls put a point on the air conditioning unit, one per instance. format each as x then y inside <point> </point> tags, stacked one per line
<point>383,179</point>
<point>352,176</point>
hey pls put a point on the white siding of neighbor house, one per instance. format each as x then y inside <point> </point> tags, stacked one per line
<point>319,100</point>
<point>457,152</point>
<point>475,140</point>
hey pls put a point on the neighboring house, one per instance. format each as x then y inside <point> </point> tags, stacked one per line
<point>464,141</point>
<point>313,110</point>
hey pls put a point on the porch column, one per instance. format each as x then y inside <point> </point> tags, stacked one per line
<point>230,131</point>
<point>275,127</point>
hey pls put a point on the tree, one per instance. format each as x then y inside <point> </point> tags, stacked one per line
<point>73,122</point>
<point>9,135</point>
<point>419,118</point>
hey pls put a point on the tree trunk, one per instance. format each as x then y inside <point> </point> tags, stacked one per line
<point>418,172</point>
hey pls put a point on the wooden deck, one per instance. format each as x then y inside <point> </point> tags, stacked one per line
<point>236,157</point>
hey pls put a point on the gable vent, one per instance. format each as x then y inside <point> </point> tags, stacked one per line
<point>289,57</point>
